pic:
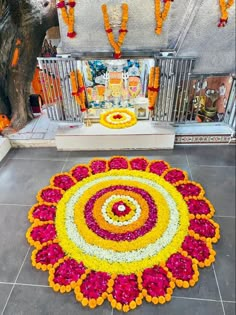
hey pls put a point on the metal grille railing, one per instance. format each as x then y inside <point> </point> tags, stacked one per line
<point>173,103</point>
<point>230,114</point>
<point>57,93</point>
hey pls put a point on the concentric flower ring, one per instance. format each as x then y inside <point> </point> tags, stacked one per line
<point>122,230</point>
<point>118,118</point>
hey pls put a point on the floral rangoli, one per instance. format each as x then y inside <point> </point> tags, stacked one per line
<point>118,118</point>
<point>125,230</point>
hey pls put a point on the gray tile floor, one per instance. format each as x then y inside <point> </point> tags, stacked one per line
<point>25,291</point>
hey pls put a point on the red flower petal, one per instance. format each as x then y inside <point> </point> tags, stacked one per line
<point>98,166</point>
<point>44,233</point>
<point>174,176</point>
<point>69,271</point>
<point>95,285</point>
<point>116,211</point>
<point>51,195</point>
<point>180,266</point>
<point>198,206</point>
<point>71,35</point>
<point>63,181</point>
<point>196,248</point>
<point>80,172</point>
<point>118,163</point>
<point>61,5</point>
<point>203,227</point>
<point>44,212</point>
<point>155,281</point>
<point>125,289</point>
<point>188,189</point>
<point>139,164</point>
<point>158,167</point>
<point>49,254</point>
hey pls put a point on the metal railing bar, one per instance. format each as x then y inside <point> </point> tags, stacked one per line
<point>167,74</point>
<point>177,92</point>
<point>58,89</point>
<point>182,91</point>
<point>174,77</point>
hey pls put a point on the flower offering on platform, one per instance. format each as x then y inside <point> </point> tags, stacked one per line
<point>118,118</point>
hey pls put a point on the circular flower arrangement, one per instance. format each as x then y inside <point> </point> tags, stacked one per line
<point>122,230</point>
<point>118,118</point>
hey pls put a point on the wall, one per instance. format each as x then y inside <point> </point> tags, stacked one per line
<point>190,29</point>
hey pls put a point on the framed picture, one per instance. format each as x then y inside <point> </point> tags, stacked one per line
<point>141,108</point>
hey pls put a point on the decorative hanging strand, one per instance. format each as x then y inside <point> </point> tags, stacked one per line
<point>153,87</point>
<point>122,32</point>
<point>161,16</point>
<point>78,90</point>
<point>224,6</point>
<point>68,15</point>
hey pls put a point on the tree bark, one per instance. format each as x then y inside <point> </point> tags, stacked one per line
<point>23,26</point>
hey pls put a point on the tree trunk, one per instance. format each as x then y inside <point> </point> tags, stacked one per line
<point>23,26</point>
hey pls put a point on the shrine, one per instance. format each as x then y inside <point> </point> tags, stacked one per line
<point>158,81</point>
<point>117,157</point>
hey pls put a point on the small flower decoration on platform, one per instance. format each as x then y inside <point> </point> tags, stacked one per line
<point>122,230</point>
<point>118,118</point>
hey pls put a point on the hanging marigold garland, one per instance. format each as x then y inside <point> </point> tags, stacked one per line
<point>161,16</point>
<point>153,86</point>
<point>224,6</point>
<point>68,15</point>
<point>122,32</point>
<point>78,90</point>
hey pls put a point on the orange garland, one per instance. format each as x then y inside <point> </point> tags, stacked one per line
<point>161,16</point>
<point>78,89</point>
<point>224,6</point>
<point>153,86</point>
<point>122,32</point>
<point>68,16</point>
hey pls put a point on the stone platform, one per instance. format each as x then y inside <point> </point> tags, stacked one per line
<point>143,135</point>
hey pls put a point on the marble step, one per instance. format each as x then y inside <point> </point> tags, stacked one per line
<point>143,135</point>
<point>5,146</point>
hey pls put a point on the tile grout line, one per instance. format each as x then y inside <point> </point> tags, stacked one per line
<point>15,281</point>
<point>213,266</point>
<point>14,204</point>
<point>5,163</point>
<point>32,285</point>
<point>205,165</point>
<point>66,160</point>
<point>25,284</point>
<point>190,171</point>
<point>28,159</point>
<point>176,297</point>
<point>224,216</point>
<point>222,304</point>
<point>195,299</point>
<point>74,159</point>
